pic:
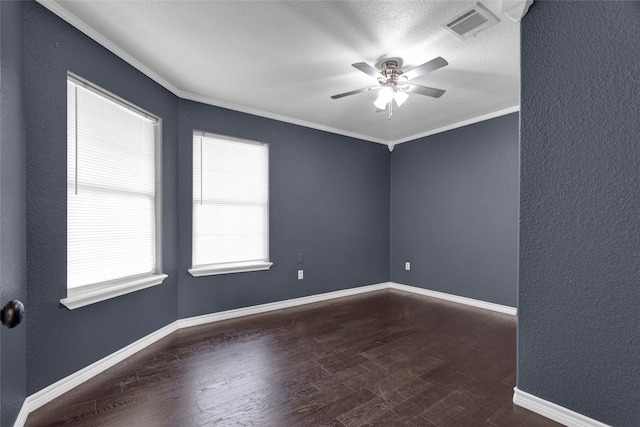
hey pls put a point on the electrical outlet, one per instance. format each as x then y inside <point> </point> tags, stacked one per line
<point>300,257</point>
<point>407,266</point>
<point>300,274</point>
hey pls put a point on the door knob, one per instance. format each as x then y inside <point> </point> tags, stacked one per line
<point>12,314</point>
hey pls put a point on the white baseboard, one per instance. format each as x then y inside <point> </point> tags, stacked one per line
<point>551,410</point>
<point>22,415</point>
<point>278,305</point>
<point>47,394</point>
<point>60,387</point>
<point>455,298</point>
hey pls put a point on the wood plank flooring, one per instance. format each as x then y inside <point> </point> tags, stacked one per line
<point>386,358</point>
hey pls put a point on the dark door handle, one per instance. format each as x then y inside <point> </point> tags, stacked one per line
<point>12,314</point>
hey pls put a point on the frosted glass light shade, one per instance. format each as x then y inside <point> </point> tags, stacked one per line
<point>384,97</point>
<point>400,97</point>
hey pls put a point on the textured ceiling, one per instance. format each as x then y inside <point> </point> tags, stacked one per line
<point>284,59</point>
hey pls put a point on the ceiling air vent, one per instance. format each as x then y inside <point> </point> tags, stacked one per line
<point>471,22</point>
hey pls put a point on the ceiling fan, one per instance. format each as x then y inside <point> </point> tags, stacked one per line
<point>393,83</point>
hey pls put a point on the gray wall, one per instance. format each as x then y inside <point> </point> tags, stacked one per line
<point>454,211</point>
<point>578,310</point>
<point>329,199</point>
<point>12,208</point>
<point>61,341</point>
<point>579,254</point>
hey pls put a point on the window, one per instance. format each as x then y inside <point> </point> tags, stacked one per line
<point>230,205</point>
<point>113,188</point>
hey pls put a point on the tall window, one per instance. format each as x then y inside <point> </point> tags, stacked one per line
<point>112,196</point>
<point>230,205</point>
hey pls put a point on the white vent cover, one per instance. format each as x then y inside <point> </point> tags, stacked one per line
<point>471,22</point>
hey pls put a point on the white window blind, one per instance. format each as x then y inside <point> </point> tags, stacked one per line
<point>230,205</point>
<point>111,189</point>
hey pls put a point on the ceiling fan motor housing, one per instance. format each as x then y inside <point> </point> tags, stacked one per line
<point>391,71</point>
<point>392,74</point>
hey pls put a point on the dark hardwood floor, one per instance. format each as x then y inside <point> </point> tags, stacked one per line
<point>385,358</point>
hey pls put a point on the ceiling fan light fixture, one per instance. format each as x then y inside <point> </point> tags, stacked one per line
<point>400,97</point>
<point>380,105</point>
<point>384,97</point>
<point>392,81</point>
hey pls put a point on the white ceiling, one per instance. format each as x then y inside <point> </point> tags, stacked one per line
<point>284,59</point>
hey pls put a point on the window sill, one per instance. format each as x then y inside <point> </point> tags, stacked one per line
<point>91,294</point>
<point>237,267</point>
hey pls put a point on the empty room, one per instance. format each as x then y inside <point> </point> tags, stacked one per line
<point>306,213</point>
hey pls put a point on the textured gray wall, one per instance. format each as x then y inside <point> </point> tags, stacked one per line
<point>454,211</point>
<point>12,208</point>
<point>61,341</point>
<point>329,199</point>
<point>578,310</point>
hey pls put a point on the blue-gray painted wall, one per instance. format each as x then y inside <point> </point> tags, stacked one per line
<point>454,211</point>
<point>329,200</point>
<point>578,316</point>
<point>60,341</point>
<point>13,283</point>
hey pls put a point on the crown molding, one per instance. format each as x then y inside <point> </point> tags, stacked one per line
<point>261,113</point>
<point>76,22</point>
<point>106,43</point>
<point>72,19</point>
<point>463,123</point>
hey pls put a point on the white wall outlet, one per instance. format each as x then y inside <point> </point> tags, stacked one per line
<point>300,274</point>
<point>407,266</point>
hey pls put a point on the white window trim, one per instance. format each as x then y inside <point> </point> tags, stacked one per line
<point>91,294</point>
<point>235,267</point>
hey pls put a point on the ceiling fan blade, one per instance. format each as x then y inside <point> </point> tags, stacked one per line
<point>367,69</point>
<point>353,92</point>
<point>423,90</point>
<point>432,65</point>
